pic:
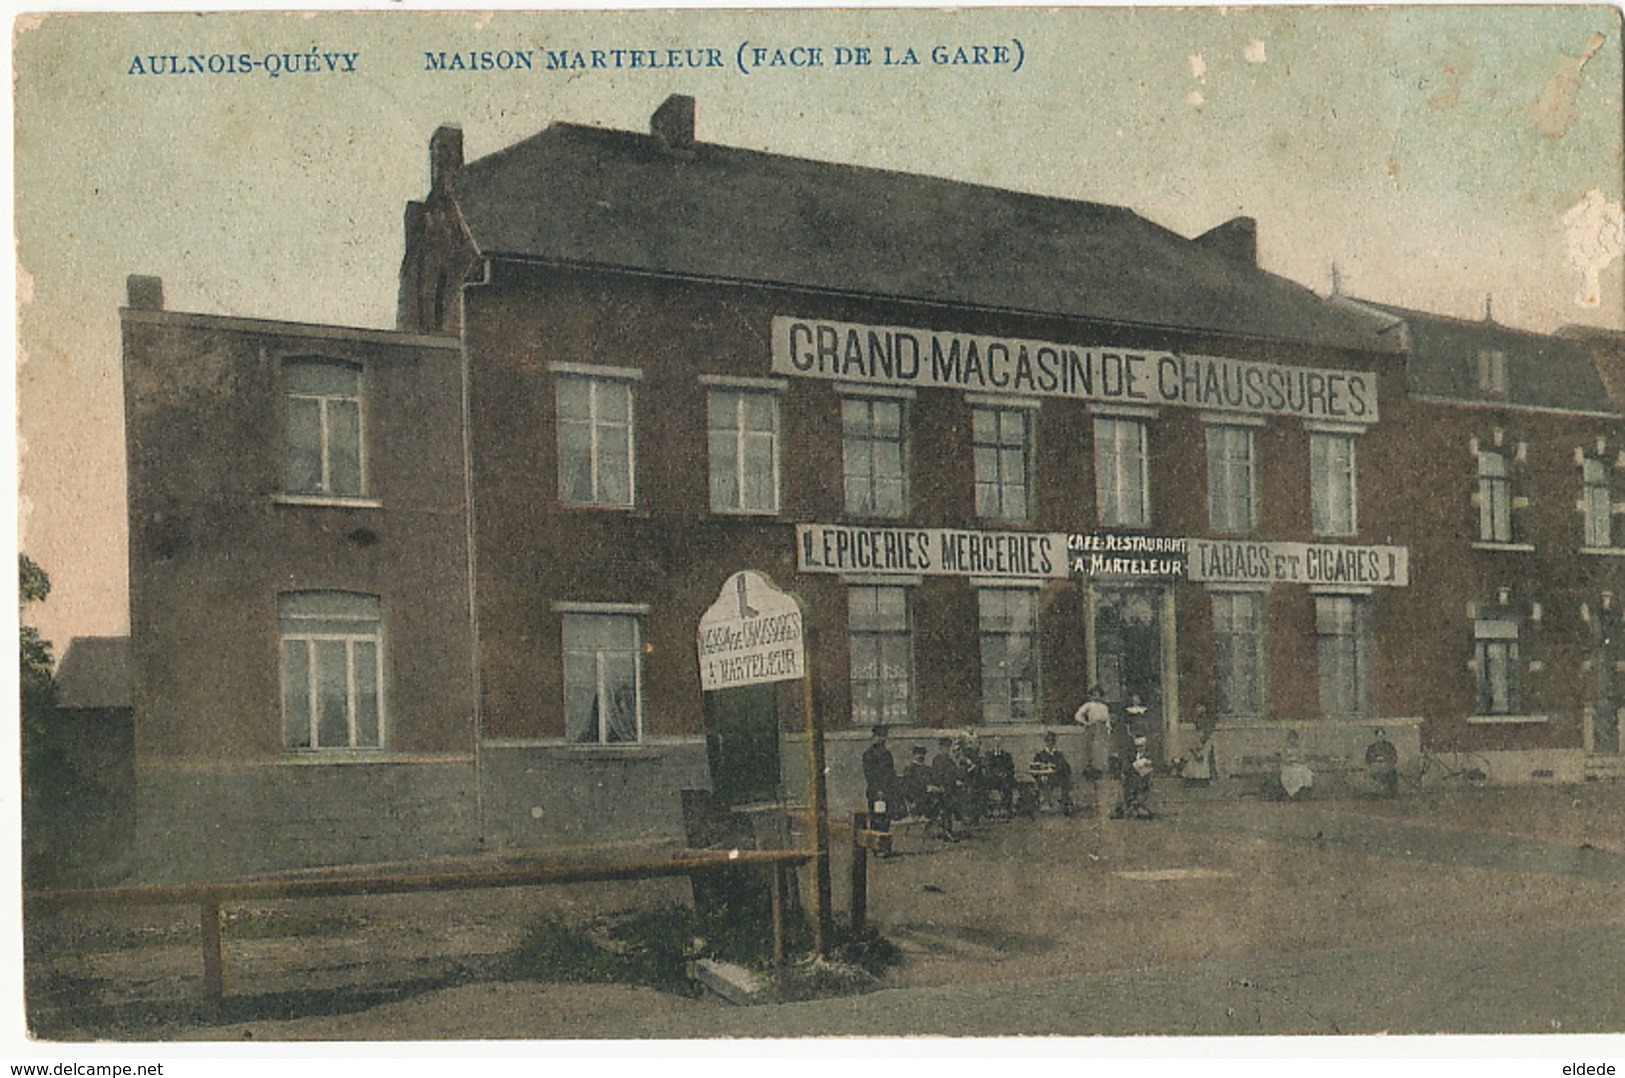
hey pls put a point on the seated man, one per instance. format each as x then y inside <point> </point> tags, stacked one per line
<point>1053,773</point>
<point>1382,765</point>
<point>914,785</point>
<point>998,775</point>
<point>947,788</point>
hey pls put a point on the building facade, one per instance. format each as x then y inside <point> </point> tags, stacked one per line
<point>1002,447</point>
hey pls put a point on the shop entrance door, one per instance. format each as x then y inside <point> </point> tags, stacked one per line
<point>1128,657</point>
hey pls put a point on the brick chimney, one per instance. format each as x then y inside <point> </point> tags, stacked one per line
<point>1237,239</point>
<point>445,157</point>
<point>673,122</point>
<point>145,293</point>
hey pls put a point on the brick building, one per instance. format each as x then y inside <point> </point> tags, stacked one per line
<point>440,584</point>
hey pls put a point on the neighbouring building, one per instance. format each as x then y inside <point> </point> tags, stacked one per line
<point>435,589</point>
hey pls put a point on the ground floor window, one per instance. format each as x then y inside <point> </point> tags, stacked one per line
<point>603,677</point>
<point>1238,624</point>
<point>1008,626</point>
<point>881,633</point>
<point>1343,634</point>
<point>332,672</point>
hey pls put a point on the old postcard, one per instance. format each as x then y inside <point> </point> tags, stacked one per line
<point>611,526</point>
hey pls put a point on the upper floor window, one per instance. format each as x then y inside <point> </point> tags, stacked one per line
<point>1494,497</point>
<point>323,449</point>
<point>1334,490</point>
<point>1597,502</point>
<point>1492,372</point>
<point>882,640</point>
<point>1122,474</point>
<point>603,676</point>
<point>1232,476</point>
<point>1008,625</point>
<point>743,432</point>
<point>332,670</point>
<point>1343,639</point>
<point>874,456</point>
<point>1495,662</point>
<point>1002,440</point>
<point>597,464</point>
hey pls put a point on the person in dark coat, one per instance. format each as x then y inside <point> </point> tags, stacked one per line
<point>879,781</point>
<point>1382,765</point>
<point>947,781</point>
<point>1053,773</point>
<point>915,783</point>
<point>999,775</point>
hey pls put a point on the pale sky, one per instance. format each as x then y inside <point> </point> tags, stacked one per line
<point>1433,154</point>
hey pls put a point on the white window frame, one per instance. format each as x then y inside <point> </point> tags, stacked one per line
<point>1597,503</point>
<point>599,430</point>
<point>1344,654</point>
<point>326,405</point>
<point>859,470</point>
<point>738,391</point>
<point>1232,476</point>
<point>993,496</point>
<point>1495,498</point>
<point>1249,644</point>
<point>1122,469</point>
<point>634,614</point>
<point>1497,687</point>
<point>1334,485</point>
<point>872,704</point>
<point>362,625</point>
<point>1000,708</point>
<point>1492,372</point>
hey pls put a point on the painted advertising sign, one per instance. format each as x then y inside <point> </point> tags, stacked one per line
<point>752,635</point>
<point>1239,561</point>
<point>1112,555</point>
<point>842,548</point>
<point>903,356</point>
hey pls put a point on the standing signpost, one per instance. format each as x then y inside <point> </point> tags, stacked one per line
<point>754,635</point>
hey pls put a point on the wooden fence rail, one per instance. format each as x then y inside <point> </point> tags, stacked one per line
<point>211,896</point>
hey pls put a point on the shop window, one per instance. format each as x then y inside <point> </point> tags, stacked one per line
<point>1343,638</point>
<point>332,670</point>
<point>1232,474</point>
<point>882,638</point>
<point>1002,439</point>
<point>1495,660</point>
<point>743,432</point>
<point>1238,622</point>
<point>1122,475</point>
<point>1334,489</point>
<point>323,448</point>
<point>603,677</point>
<point>596,442</point>
<point>1008,624</point>
<point>874,455</point>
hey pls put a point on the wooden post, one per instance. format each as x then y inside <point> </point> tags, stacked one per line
<point>823,924</point>
<point>781,875</point>
<point>214,954</point>
<point>860,874</point>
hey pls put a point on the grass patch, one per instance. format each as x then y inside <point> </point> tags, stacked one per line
<point>657,948</point>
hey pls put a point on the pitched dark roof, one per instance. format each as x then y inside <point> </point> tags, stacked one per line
<point>1542,371</point>
<point>94,673</point>
<point>615,198</point>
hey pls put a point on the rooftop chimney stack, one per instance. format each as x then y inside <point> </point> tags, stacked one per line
<point>445,157</point>
<point>1237,238</point>
<point>673,122</point>
<point>146,293</point>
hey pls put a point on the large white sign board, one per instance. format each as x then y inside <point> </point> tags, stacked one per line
<point>751,635</point>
